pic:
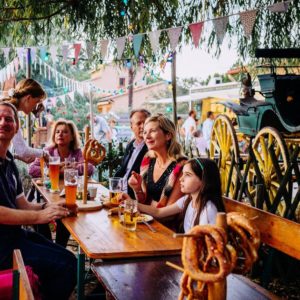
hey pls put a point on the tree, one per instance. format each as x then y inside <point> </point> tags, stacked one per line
<point>50,21</point>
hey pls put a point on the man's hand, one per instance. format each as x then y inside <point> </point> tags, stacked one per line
<point>27,160</point>
<point>52,212</point>
<point>135,181</point>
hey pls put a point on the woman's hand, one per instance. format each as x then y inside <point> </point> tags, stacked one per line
<point>135,181</point>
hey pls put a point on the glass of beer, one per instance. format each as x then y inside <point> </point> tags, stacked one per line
<point>54,166</point>
<point>71,182</point>
<point>130,214</point>
<point>70,163</point>
<point>42,165</point>
<point>115,189</point>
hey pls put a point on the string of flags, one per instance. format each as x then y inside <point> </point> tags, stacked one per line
<point>247,19</point>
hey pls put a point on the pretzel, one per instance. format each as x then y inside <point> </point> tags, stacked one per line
<point>93,152</point>
<point>245,238</point>
<point>192,289</point>
<point>203,256</point>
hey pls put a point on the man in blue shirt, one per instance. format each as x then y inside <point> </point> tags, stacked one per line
<point>54,265</point>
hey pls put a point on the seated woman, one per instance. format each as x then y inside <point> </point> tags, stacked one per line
<point>158,181</point>
<point>64,143</point>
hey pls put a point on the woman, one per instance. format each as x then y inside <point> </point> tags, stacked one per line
<point>64,143</point>
<point>158,182</point>
<point>26,97</point>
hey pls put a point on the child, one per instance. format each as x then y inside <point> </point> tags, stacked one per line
<point>201,183</point>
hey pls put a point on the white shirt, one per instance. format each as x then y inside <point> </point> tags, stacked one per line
<point>137,149</point>
<point>207,216</point>
<point>187,125</point>
<point>207,128</point>
<point>101,128</point>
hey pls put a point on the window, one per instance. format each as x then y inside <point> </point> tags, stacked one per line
<point>121,81</point>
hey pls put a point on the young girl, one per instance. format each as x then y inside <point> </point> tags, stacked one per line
<point>201,183</point>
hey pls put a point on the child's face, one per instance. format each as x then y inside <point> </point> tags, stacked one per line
<point>189,182</point>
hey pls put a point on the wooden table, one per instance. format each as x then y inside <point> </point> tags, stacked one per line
<point>151,278</point>
<point>103,237</point>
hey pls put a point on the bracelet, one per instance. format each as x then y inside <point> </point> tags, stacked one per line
<point>44,205</point>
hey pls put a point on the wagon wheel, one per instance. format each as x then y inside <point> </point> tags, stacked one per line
<point>263,140</point>
<point>223,146</point>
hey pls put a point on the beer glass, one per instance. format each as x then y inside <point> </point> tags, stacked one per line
<point>42,165</point>
<point>115,189</point>
<point>71,182</point>
<point>130,214</point>
<point>54,167</point>
<point>70,163</point>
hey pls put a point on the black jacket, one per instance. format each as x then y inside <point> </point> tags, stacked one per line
<point>135,167</point>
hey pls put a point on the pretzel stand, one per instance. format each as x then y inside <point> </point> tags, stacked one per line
<point>94,153</point>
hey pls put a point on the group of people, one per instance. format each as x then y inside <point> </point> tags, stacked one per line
<point>180,192</point>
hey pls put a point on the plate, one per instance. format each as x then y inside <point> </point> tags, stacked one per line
<point>145,218</point>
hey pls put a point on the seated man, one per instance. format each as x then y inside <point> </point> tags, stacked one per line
<point>54,265</point>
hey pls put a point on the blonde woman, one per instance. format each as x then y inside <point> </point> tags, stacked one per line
<point>158,181</point>
<point>27,96</point>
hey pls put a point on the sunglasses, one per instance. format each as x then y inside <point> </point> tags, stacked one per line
<point>38,109</point>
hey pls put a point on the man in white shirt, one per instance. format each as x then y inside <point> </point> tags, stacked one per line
<point>135,150</point>
<point>189,126</point>
<point>207,127</point>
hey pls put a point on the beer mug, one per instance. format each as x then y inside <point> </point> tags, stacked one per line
<point>54,167</point>
<point>115,189</point>
<point>71,182</point>
<point>130,214</point>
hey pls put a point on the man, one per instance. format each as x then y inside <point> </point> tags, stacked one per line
<point>135,150</point>
<point>188,127</point>
<point>54,265</point>
<point>207,127</point>
<point>102,131</point>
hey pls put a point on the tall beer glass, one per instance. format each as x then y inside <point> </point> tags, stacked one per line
<point>54,166</point>
<point>71,182</point>
<point>115,189</point>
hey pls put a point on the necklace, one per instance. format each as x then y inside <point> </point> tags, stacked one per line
<point>162,166</point>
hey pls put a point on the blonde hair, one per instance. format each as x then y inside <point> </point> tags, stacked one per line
<point>75,143</point>
<point>168,127</point>
<point>26,87</point>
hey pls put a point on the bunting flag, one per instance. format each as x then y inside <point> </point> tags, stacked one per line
<point>6,53</point>
<point>77,48</point>
<point>279,7</point>
<point>53,52</point>
<point>33,53</point>
<point>43,52</point>
<point>120,46</point>
<point>154,39</point>
<point>20,53</point>
<point>196,31</point>
<point>248,19</point>
<point>174,34</point>
<point>137,42</point>
<point>89,49</point>
<point>65,52</point>
<point>62,98</point>
<point>16,64</point>
<point>103,48</point>
<point>220,25</point>
<point>72,96</point>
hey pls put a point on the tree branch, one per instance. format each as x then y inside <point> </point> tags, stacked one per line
<point>22,7</point>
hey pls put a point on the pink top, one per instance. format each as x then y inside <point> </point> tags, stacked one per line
<point>35,168</point>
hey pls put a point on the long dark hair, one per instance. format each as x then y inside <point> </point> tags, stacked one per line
<point>208,172</point>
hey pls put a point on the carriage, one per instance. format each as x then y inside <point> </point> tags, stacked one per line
<point>268,174</point>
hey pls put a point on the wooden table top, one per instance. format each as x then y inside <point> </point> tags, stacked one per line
<point>151,278</point>
<point>102,236</point>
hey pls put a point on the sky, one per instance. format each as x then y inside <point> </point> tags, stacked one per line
<point>192,62</point>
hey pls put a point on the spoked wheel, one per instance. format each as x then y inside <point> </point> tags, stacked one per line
<point>265,138</point>
<point>223,146</point>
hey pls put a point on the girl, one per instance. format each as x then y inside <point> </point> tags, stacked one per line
<point>201,183</point>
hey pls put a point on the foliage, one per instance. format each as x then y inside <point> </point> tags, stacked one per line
<point>31,22</point>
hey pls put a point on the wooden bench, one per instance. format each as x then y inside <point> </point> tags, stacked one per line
<point>151,278</point>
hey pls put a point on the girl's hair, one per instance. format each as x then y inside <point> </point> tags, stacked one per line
<point>168,127</point>
<point>26,87</point>
<point>16,117</point>
<point>208,172</point>
<point>75,143</point>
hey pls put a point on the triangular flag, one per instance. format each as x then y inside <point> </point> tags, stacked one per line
<point>49,73</point>
<point>248,19</point>
<point>154,39</point>
<point>16,63</point>
<point>137,41</point>
<point>196,30</point>
<point>103,48</point>
<point>71,95</point>
<point>12,69</point>
<point>220,25</point>
<point>43,52</point>
<point>279,7</point>
<point>6,53</point>
<point>33,54</point>
<point>174,34</point>
<point>89,49</point>
<point>62,98</point>
<point>120,46</point>
<point>53,52</point>
<point>65,52</point>
<point>77,48</point>
<point>20,53</point>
